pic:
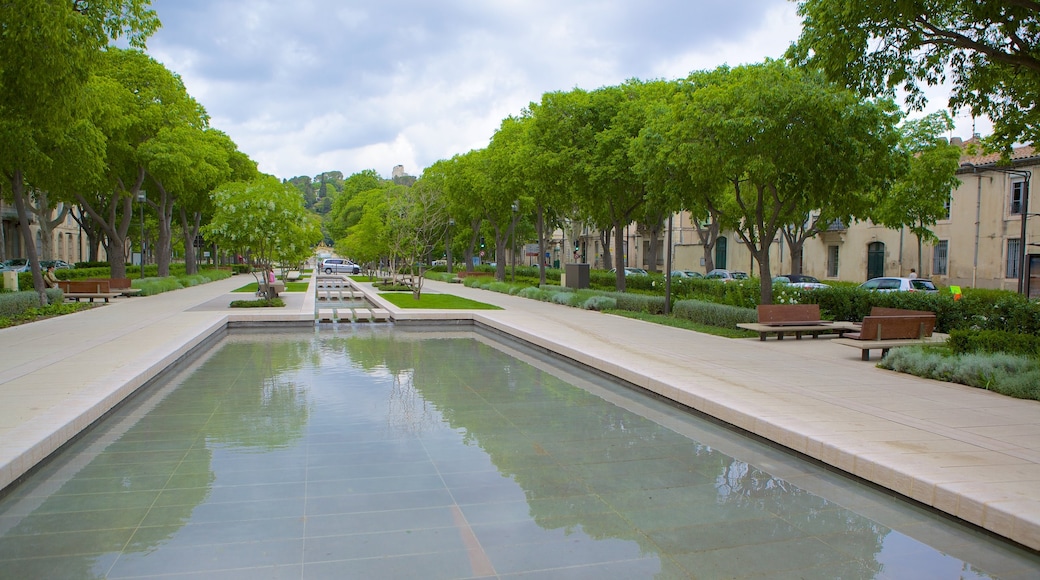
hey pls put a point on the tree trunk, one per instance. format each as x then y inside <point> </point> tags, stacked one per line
<point>120,212</point>
<point>541,245</point>
<point>18,189</point>
<point>604,240</point>
<point>619,258</point>
<point>190,232</point>
<point>164,245</point>
<point>764,273</point>
<point>708,237</point>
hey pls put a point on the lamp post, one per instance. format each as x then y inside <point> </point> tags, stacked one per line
<point>142,196</point>
<point>451,225</point>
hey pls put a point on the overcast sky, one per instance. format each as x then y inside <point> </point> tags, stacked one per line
<point>305,86</point>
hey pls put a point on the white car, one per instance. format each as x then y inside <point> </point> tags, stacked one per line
<point>632,272</point>
<point>893,284</point>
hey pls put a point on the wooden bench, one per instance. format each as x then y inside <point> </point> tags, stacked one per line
<point>121,285</point>
<point>798,319</point>
<point>87,290</point>
<point>886,332</point>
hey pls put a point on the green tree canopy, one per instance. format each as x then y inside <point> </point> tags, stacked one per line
<point>264,218</point>
<point>988,49</point>
<point>785,139</point>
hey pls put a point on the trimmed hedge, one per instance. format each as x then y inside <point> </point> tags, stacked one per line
<point>16,303</point>
<point>712,314</point>
<point>991,341</point>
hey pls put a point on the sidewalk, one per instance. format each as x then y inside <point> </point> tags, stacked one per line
<point>964,451</point>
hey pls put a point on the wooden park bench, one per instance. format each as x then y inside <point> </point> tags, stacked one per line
<point>121,285</point>
<point>798,319</point>
<point>87,290</point>
<point>889,331</point>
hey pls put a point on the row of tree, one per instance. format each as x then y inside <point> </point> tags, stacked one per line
<point>88,125</point>
<point>762,150</point>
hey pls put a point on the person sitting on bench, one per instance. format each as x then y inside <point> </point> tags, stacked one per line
<point>49,279</point>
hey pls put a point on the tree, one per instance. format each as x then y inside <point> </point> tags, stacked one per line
<point>48,50</point>
<point>265,218</point>
<point>465,180</point>
<point>416,220</point>
<point>159,131</point>
<point>989,50</point>
<point>507,198</point>
<point>366,239</point>
<point>920,197</point>
<point>785,140</point>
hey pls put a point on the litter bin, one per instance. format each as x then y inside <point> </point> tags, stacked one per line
<point>577,275</point>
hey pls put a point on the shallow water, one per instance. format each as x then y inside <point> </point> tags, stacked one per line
<point>381,452</point>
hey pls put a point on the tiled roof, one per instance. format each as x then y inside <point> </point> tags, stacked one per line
<point>974,155</point>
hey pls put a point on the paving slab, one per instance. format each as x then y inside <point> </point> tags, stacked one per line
<point>965,451</point>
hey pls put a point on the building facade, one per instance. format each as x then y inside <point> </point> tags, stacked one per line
<point>68,240</point>
<point>990,238</point>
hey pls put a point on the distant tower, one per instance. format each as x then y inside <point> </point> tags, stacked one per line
<point>399,177</point>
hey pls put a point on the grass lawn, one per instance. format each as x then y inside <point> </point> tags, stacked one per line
<point>289,287</point>
<point>687,324</point>
<point>437,301</point>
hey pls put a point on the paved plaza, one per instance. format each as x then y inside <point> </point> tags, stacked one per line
<point>964,451</point>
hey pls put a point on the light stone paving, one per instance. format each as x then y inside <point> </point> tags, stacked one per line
<point>965,451</point>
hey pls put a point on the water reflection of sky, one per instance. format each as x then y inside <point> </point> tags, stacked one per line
<point>389,451</point>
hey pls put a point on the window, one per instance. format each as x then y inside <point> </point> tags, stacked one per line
<point>1018,189</point>
<point>939,257</point>
<point>1014,255</point>
<point>832,261</point>
<point>946,208</point>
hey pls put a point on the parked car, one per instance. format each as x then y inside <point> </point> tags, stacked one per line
<point>16,265</point>
<point>800,281</point>
<point>339,266</point>
<point>726,275</point>
<point>893,284</point>
<point>58,264</point>
<point>632,272</point>
<point>686,274</point>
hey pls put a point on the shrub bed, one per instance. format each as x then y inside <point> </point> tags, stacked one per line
<point>1007,374</point>
<point>992,341</point>
<point>712,314</point>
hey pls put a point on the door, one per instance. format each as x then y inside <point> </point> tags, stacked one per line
<point>875,260</point>
<point>720,253</point>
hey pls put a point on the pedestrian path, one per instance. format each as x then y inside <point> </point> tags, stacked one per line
<point>964,451</point>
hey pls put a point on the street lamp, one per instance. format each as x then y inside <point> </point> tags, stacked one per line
<point>451,224</point>
<point>142,196</point>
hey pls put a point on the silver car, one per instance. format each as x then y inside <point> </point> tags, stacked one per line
<point>339,266</point>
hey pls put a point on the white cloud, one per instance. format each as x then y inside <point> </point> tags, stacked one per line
<point>315,85</point>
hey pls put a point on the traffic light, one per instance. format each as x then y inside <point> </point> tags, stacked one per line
<point>481,242</point>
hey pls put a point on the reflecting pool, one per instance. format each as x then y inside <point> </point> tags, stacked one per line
<point>390,453</point>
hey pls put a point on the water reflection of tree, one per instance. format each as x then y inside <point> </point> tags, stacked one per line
<point>257,408</point>
<point>474,387</point>
<point>264,408</point>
